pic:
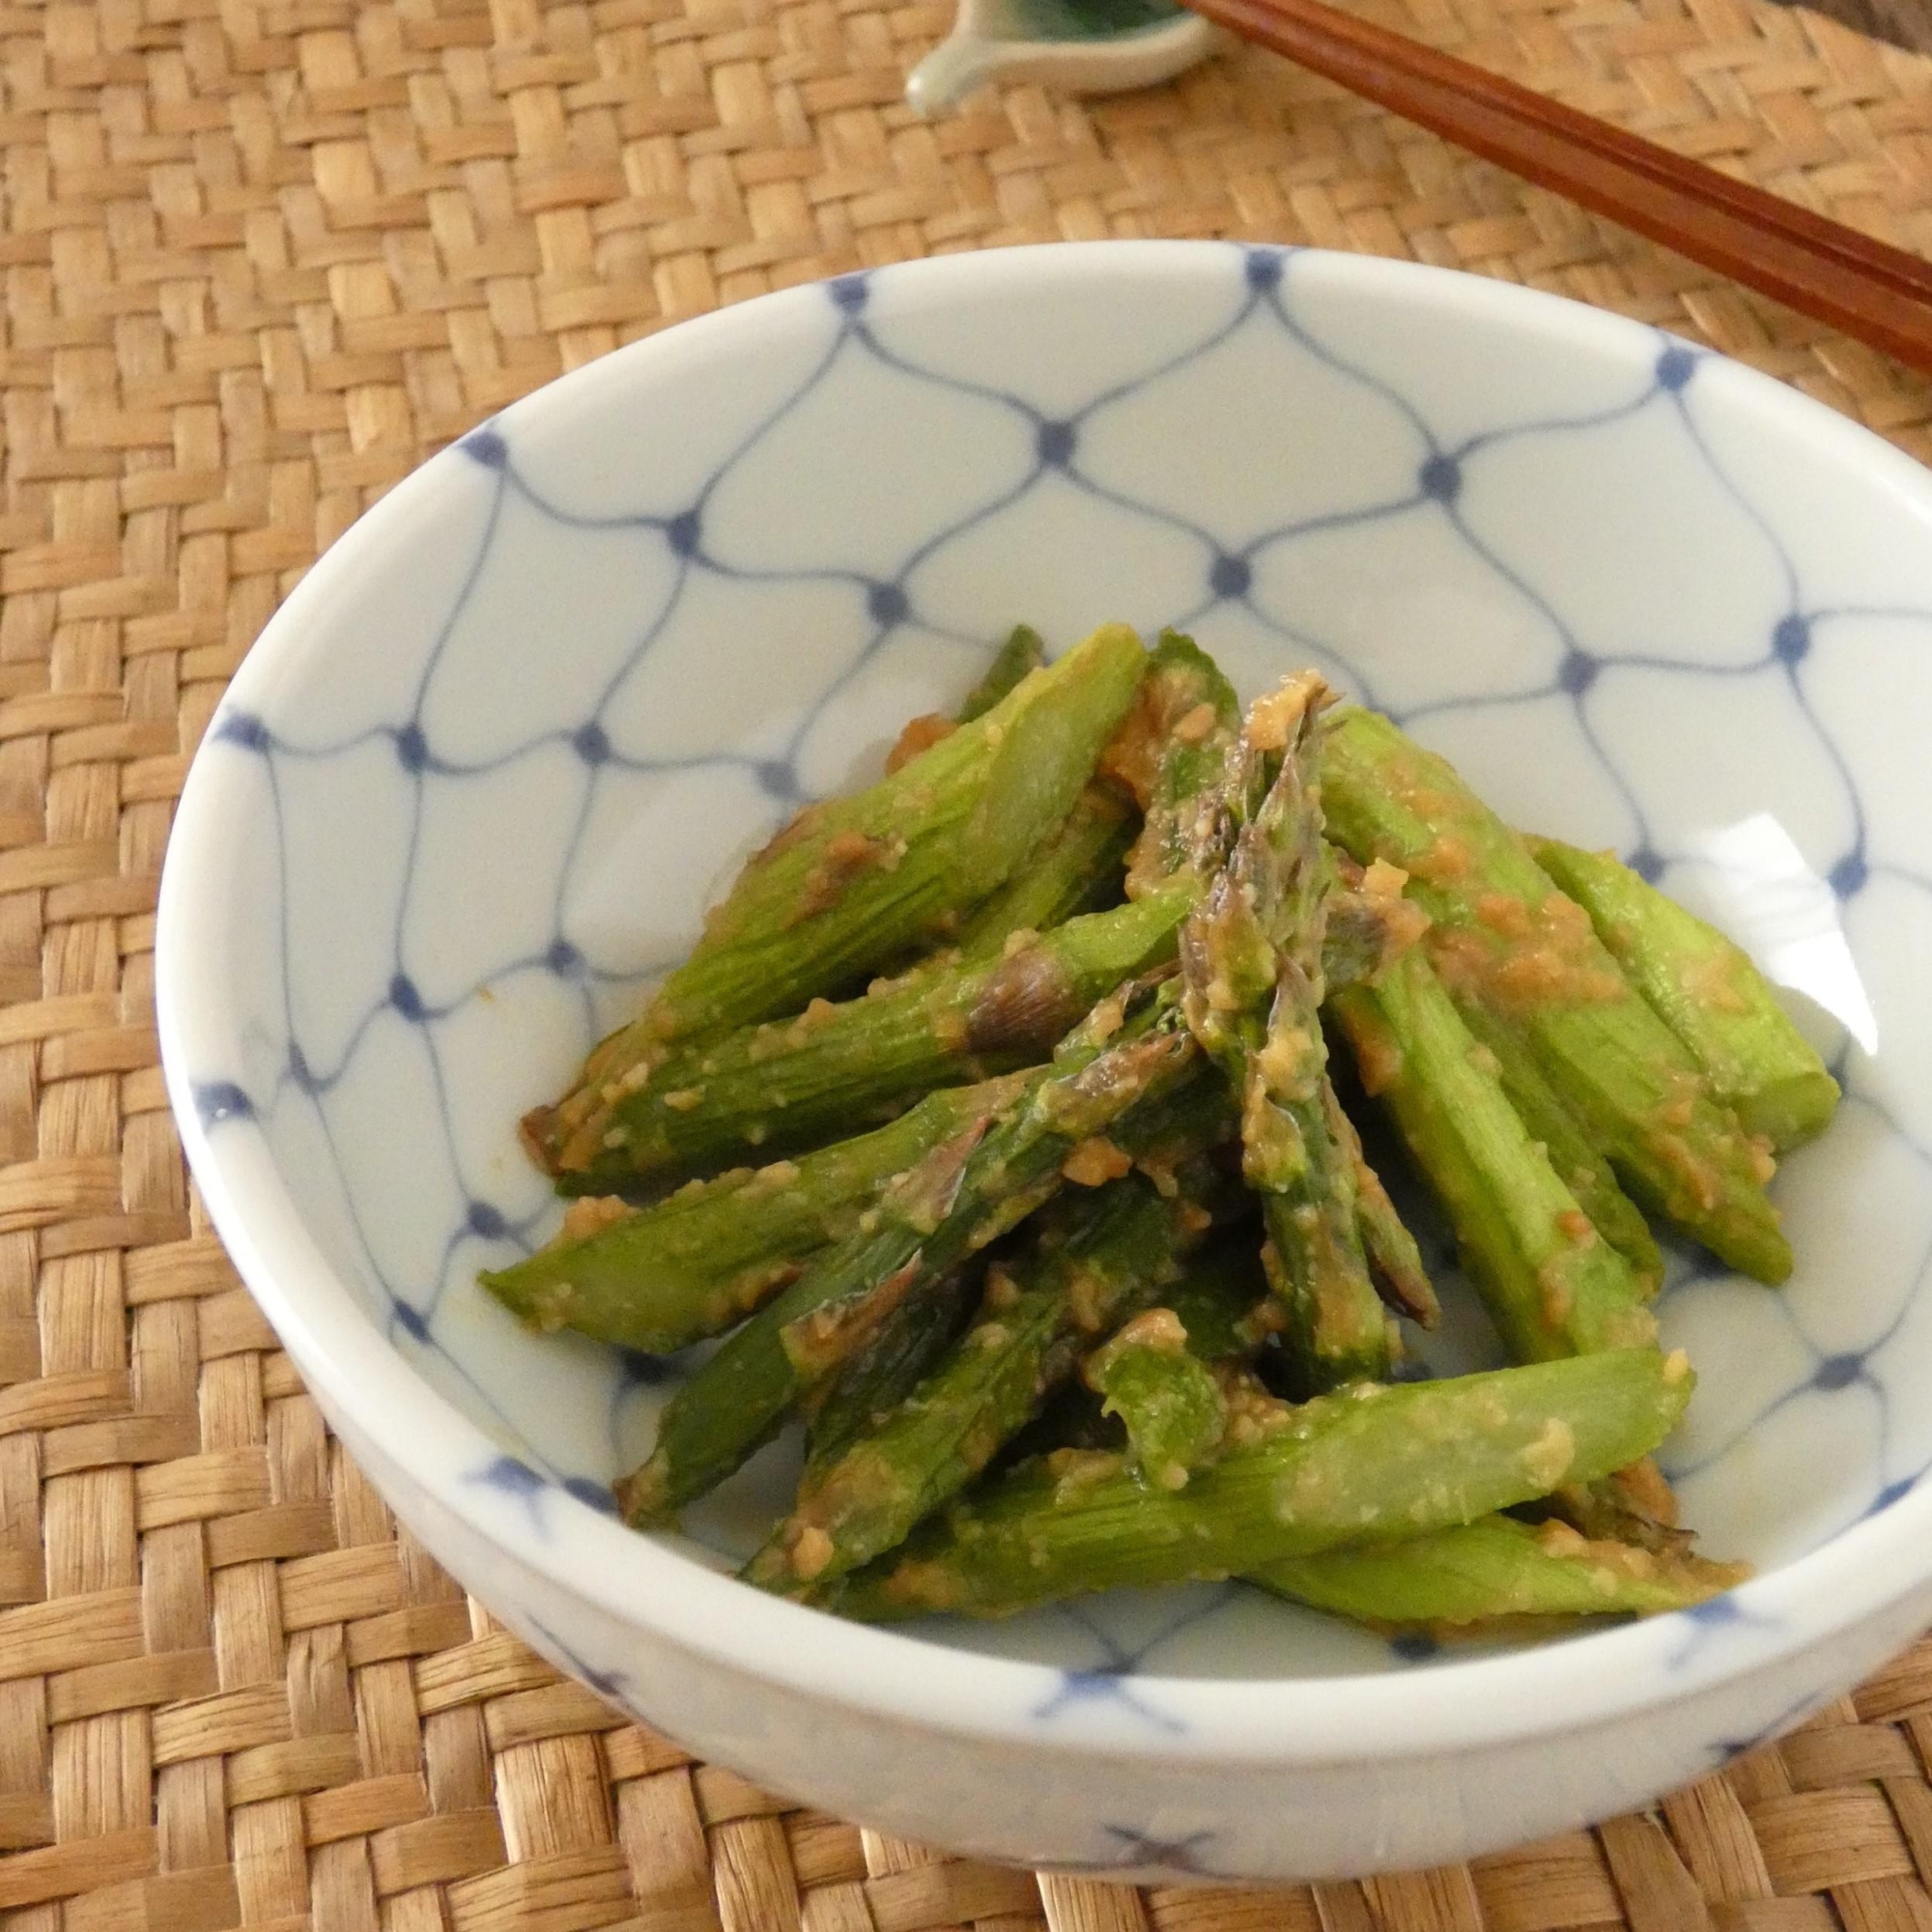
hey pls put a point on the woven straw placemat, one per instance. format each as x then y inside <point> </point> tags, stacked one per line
<point>259,260</point>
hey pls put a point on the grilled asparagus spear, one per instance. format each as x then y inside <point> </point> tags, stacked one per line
<point>1169,1402</point>
<point>1474,1574</point>
<point>1170,753</point>
<point>1079,869</point>
<point>1572,1153</point>
<point>661,1277</point>
<point>1251,957</point>
<point>959,1198</point>
<point>1493,1569</point>
<point>787,1084</point>
<point>1093,1261</point>
<point>851,883</point>
<point>1503,938</point>
<point>1368,1464</point>
<point>1551,1284</point>
<point>1017,658</point>
<point>857,1398</point>
<point>1707,991</point>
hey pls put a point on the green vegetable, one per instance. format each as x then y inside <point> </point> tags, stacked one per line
<point>960,1197</point>
<point>1078,869</point>
<point>1169,1402</point>
<point>1492,1569</point>
<point>858,1397</point>
<point>1103,862</point>
<point>1223,1301</point>
<point>851,883</point>
<point>1250,957</point>
<point>1171,752</point>
<point>791,1083</point>
<point>1368,921</point>
<point>1372,1463</point>
<point>1502,936</point>
<point>1393,1257</point>
<point>1584,1171</point>
<point>1017,658</point>
<point>1096,1258</point>
<point>1708,993</point>
<point>1636,1505</point>
<point>662,1277</point>
<point>1551,1284</point>
<point>1481,1573</point>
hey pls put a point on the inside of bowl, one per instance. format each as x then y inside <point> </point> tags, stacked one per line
<point>620,633</point>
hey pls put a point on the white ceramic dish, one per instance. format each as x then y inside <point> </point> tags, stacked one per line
<point>1081,46</point>
<point>482,771</point>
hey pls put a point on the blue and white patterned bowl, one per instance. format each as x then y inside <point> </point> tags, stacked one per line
<point>480,775</point>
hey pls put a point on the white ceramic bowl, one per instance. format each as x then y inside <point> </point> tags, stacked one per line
<point>480,774</point>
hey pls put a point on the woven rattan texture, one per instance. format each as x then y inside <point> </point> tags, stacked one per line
<point>257,260</point>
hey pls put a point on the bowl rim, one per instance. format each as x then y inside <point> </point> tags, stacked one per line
<point>1448,1706</point>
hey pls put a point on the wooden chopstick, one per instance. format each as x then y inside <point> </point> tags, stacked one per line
<point>1868,289</point>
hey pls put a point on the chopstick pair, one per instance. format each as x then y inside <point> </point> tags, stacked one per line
<point>1878,293</point>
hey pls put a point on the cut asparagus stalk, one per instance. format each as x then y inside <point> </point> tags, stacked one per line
<point>1170,753</point>
<point>858,1398</point>
<point>1250,957</point>
<point>1078,870</point>
<point>1367,926</point>
<point>791,1083</point>
<point>1022,653</point>
<point>1481,1573</point>
<point>662,1277</point>
<point>1168,1401</point>
<point>1503,937</point>
<point>1373,1463</point>
<point>1707,991</point>
<point>962,1195</point>
<point>1393,1257</point>
<point>1551,1284</point>
<point>1583,1170</point>
<point>1016,660</point>
<point>1096,1260</point>
<point>1222,1300</point>
<point>1494,1569</point>
<point>852,883</point>
<point>1367,930</point>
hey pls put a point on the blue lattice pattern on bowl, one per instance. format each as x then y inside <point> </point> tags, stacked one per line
<point>617,634</point>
